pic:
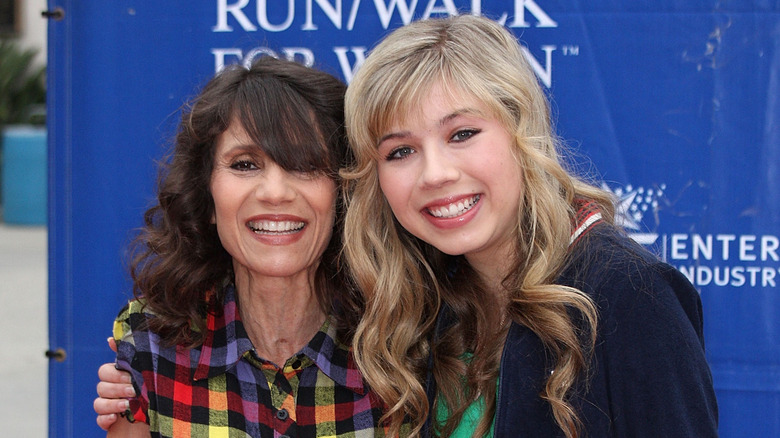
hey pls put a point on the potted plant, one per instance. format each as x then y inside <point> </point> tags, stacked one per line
<point>22,86</point>
<point>22,136</point>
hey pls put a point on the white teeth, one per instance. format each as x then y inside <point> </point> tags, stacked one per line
<point>275,226</point>
<point>455,209</point>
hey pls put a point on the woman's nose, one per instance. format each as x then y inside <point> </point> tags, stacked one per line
<point>276,186</point>
<point>438,167</point>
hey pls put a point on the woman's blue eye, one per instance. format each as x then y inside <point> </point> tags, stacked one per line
<point>464,134</point>
<point>399,153</point>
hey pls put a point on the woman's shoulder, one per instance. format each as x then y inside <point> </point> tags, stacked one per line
<point>134,312</point>
<point>133,306</point>
<point>628,282</point>
<point>132,323</point>
<point>608,259</point>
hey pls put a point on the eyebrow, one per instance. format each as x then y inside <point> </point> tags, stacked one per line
<point>244,148</point>
<point>240,149</point>
<point>443,121</point>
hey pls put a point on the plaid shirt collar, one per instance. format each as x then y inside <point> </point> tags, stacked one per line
<point>332,357</point>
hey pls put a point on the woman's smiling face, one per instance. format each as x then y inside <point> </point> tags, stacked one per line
<point>272,222</point>
<point>451,179</point>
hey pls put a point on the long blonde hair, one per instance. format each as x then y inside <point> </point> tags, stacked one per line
<point>404,280</point>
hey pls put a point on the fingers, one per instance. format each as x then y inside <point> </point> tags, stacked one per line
<point>107,410</point>
<point>114,385</point>
<point>107,406</point>
<point>113,388</point>
<point>109,390</point>
<point>109,374</point>
<point>106,421</point>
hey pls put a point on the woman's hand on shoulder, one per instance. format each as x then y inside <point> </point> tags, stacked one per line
<point>113,390</point>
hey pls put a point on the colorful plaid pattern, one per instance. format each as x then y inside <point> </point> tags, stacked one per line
<point>223,389</point>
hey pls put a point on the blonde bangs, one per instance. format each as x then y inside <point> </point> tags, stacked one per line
<point>394,95</point>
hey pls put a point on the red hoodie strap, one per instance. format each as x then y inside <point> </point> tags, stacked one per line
<point>588,215</point>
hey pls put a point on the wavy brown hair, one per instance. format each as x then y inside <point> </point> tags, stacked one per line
<point>295,115</point>
<point>405,280</point>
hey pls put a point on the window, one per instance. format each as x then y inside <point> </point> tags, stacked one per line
<point>9,18</point>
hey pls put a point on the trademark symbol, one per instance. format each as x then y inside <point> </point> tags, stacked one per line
<point>570,50</point>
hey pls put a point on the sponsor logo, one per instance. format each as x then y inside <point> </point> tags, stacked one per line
<point>720,259</point>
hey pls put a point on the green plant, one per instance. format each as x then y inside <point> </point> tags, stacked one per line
<point>22,86</point>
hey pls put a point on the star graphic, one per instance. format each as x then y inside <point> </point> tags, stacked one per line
<point>623,215</point>
<point>631,206</point>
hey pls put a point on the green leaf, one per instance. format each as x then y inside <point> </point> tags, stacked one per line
<point>22,85</point>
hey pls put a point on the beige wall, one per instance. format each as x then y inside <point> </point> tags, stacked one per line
<point>32,29</point>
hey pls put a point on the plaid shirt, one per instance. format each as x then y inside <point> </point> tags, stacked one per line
<point>223,389</point>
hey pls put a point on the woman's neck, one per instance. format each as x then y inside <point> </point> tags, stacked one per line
<point>280,315</point>
<point>492,269</point>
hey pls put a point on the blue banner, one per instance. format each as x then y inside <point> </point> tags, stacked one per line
<point>673,105</point>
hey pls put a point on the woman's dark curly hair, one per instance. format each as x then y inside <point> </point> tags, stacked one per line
<point>295,114</point>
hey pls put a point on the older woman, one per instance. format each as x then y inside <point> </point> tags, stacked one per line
<point>235,329</point>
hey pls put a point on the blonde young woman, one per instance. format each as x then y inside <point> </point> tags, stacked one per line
<point>501,299</point>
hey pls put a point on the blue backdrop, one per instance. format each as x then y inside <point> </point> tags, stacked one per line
<point>674,103</point>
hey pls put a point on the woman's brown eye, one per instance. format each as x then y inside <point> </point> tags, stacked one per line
<point>243,165</point>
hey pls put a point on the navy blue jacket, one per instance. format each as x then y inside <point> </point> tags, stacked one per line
<point>648,374</point>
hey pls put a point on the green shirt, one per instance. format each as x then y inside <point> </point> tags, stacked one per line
<point>469,421</point>
<point>471,416</point>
